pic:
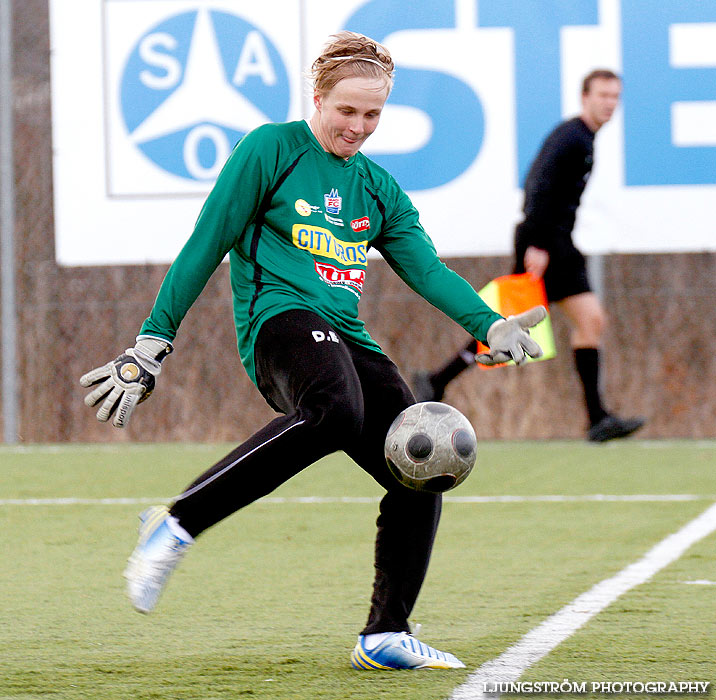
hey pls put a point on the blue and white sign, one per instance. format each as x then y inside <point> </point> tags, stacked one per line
<point>197,82</point>
<point>188,87</point>
<point>147,107</point>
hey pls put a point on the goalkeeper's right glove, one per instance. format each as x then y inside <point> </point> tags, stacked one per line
<point>127,380</point>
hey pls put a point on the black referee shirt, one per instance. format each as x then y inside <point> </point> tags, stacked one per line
<point>554,185</point>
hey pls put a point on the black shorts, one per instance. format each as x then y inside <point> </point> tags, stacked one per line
<point>566,273</point>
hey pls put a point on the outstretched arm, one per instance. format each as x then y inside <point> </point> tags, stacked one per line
<point>411,253</point>
<point>129,379</point>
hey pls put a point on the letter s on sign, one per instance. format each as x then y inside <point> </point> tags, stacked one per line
<point>452,106</point>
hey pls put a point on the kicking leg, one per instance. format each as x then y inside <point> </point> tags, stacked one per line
<point>315,384</point>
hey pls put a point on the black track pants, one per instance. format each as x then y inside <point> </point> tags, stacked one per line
<point>334,395</point>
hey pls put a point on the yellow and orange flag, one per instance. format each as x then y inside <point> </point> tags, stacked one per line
<point>513,294</point>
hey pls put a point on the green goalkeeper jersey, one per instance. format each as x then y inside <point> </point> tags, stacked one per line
<point>297,223</point>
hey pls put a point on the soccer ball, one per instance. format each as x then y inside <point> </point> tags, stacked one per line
<point>431,447</point>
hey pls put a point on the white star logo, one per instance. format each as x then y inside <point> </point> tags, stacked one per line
<point>204,95</point>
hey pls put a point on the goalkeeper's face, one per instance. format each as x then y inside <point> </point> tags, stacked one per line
<point>348,114</point>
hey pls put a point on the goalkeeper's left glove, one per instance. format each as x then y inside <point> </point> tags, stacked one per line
<point>509,339</point>
<point>127,380</point>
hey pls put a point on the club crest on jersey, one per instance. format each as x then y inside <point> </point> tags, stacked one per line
<point>362,224</point>
<point>332,202</point>
<point>352,280</point>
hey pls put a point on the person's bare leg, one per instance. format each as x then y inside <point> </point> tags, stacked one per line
<point>588,322</point>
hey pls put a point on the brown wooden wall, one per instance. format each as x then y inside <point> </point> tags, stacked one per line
<point>659,355</point>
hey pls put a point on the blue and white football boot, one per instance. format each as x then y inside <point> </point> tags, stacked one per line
<point>401,651</point>
<point>156,555</point>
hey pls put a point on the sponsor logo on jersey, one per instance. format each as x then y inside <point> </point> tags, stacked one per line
<point>335,277</point>
<point>320,241</point>
<point>362,224</point>
<point>333,201</point>
<point>333,220</point>
<point>303,207</point>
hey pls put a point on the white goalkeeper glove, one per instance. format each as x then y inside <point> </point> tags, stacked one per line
<point>509,339</point>
<point>127,380</point>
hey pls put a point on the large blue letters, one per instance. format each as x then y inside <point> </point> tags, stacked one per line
<point>652,86</point>
<point>538,77</point>
<point>453,107</point>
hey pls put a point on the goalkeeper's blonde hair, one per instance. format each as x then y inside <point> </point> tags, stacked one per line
<point>350,55</point>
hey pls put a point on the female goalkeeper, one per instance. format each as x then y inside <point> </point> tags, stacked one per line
<point>296,208</point>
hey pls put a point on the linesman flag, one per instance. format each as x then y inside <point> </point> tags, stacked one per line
<point>513,294</point>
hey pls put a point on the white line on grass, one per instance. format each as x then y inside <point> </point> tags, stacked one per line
<point>598,497</point>
<point>112,447</point>
<point>499,445</point>
<point>537,643</point>
<point>71,501</point>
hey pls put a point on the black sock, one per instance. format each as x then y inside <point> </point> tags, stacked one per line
<point>587,361</point>
<point>459,363</point>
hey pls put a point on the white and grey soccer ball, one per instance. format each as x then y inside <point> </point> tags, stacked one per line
<point>431,447</point>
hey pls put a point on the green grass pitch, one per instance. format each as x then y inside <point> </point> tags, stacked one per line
<point>268,603</point>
